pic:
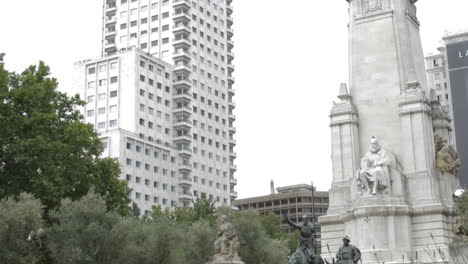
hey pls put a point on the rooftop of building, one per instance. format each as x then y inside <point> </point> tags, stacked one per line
<point>125,51</point>
<point>298,190</point>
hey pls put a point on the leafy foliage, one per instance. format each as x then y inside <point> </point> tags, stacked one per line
<point>84,231</point>
<point>17,219</point>
<point>256,246</point>
<point>46,149</point>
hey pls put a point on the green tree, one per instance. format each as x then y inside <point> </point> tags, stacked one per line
<point>271,222</point>
<point>46,149</point>
<point>82,232</point>
<point>17,219</point>
<point>255,245</point>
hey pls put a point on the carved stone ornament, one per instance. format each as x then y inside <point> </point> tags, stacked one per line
<point>447,159</point>
<point>372,5</point>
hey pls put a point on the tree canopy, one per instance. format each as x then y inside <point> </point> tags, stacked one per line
<point>45,147</point>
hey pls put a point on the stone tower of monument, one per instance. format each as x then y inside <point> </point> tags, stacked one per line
<point>386,194</point>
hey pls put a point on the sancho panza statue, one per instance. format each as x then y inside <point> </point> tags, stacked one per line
<point>376,168</point>
<point>348,254</point>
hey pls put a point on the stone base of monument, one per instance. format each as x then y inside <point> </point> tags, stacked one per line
<point>227,262</point>
<point>221,260</point>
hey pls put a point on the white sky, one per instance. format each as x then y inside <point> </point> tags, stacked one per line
<point>290,60</point>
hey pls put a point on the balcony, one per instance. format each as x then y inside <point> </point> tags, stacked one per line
<point>111,8</point>
<point>111,20</point>
<point>183,110</point>
<point>182,124</point>
<point>232,117</point>
<point>109,33</point>
<point>232,129</point>
<point>181,17</point>
<point>182,97</point>
<point>230,44</point>
<point>232,154</point>
<point>185,152</point>
<point>182,139</point>
<point>233,194</point>
<point>181,28</point>
<point>233,181</point>
<point>231,79</point>
<point>229,10</point>
<point>187,168</point>
<point>185,196</point>
<point>232,142</point>
<point>181,54</point>
<point>110,47</point>
<point>233,167</point>
<point>183,43</point>
<point>231,104</point>
<point>181,4</point>
<point>182,84</point>
<point>228,2</point>
<point>231,91</point>
<point>230,21</point>
<point>182,68</point>
<point>185,181</point>
<point>230,32</point>
<point>231,68</point>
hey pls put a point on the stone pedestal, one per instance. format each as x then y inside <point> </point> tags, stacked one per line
<point>412,216</point>
<point>227,262</point>
<point>220,260</point>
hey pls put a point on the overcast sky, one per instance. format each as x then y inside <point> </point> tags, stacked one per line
<point>290,58</point>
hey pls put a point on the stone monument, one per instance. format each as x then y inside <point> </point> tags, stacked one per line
<point>226,244</point>
<point>389,192</point>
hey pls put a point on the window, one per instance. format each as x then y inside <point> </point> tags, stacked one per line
<point>90,113</point>
<point>113,123</point>
<point>101,110</point>
<point>137,195</point>
<point>92,70</point>
<point>101,125</point>
<point>90,98</point>
<point>91,85</point>
<point>113,94</point>
<point>112,108</point>
<point>113,79</point>
<point>102,97</point>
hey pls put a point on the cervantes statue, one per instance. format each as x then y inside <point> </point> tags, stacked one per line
<point>376,169</point>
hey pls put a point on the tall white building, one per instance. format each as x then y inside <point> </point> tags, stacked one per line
<point>437,77</point>
<point>161,97</point>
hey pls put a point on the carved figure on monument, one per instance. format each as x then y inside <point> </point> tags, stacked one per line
<point>376,166</point>
<point>227,243</point>
<point>304,254</point>
<point>306,232</point>
<point>348,254</point>
<point>447,159</point>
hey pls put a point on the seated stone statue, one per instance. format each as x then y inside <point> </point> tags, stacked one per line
<point>374,174</point>
<point>227,243</point>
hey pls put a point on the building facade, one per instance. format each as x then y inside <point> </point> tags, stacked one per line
<point>446,74</point>
<point>456,53</point>
<point>437,78</point>
<point>168,66</point>
<point>294,201</point>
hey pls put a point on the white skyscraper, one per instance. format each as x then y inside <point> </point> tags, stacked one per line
<point>161,97</point>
